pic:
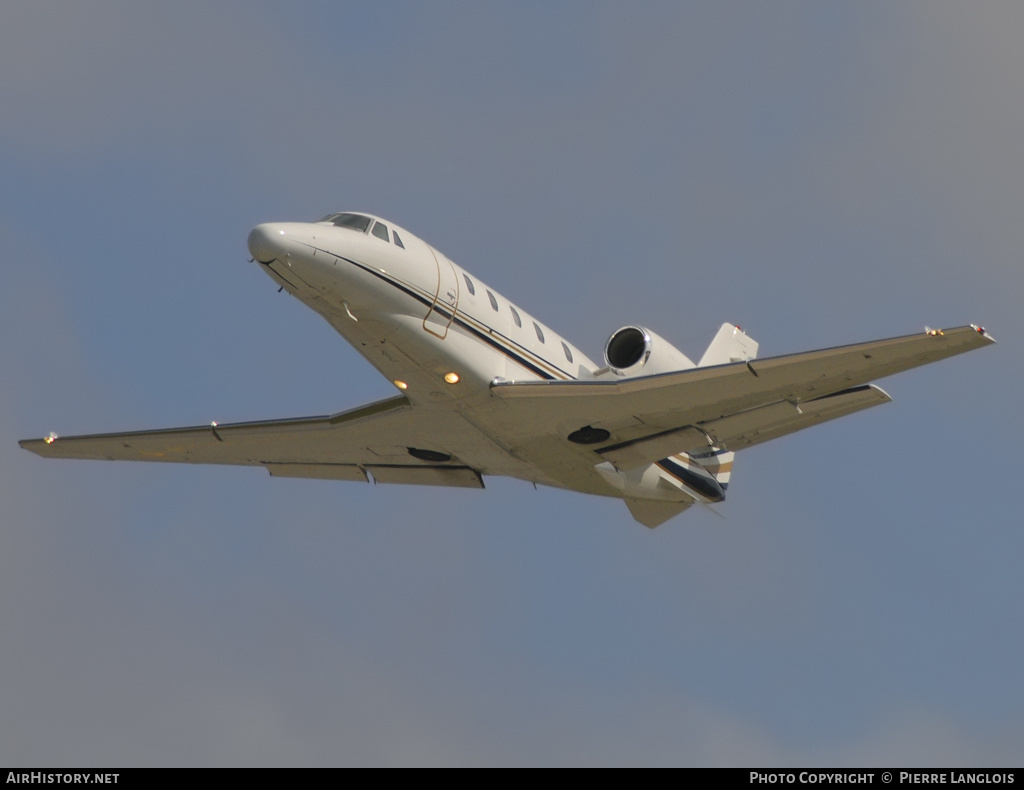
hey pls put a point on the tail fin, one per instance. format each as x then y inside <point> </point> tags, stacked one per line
<point>719,464</point>
<point>687,476</point>
<point>731,344</point>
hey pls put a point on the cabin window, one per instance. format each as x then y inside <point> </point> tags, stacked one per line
<point>568,353</point>
<point>380,230</point>
<point>515,317</point>
<point>469,284</point>
<point>494,302</point>
<point>398,239</point>
<point>536,328</point>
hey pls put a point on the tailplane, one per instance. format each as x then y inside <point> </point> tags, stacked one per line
<point>731,344</point>
<point>652,513</point>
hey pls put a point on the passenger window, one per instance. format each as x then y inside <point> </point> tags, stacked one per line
<point>540,335</point>
<point>515,317</point>
<point>380,230</point>
<point>568,353</point>
<point>469,284</point>
<point>494,302</point>
<point>398,240</point>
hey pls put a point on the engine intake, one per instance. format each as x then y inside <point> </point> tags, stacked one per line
<point>634,351</point>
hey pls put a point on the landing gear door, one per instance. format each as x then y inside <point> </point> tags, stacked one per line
<point>446,298</point>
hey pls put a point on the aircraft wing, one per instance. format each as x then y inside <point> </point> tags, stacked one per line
<point>744,429</point>
<point>378,438</point>
<point>736,405</point>
<point>522,431</point>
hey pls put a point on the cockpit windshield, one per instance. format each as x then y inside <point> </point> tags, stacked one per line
<point>353,221</point>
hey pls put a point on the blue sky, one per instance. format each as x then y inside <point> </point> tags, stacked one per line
<point>818,174</point>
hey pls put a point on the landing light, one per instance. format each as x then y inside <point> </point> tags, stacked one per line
<point>452,378</point>
<point>400,384</point>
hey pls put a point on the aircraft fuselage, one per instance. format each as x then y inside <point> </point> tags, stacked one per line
<point>441,335</point>
<point>413,313</point>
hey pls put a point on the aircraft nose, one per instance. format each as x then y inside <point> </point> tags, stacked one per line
<point>265,242</point>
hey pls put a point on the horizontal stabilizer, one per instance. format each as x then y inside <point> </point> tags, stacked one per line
<point>652,513</point>
<point>731,344</point>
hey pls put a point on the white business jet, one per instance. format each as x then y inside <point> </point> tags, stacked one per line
<point>486,389</point>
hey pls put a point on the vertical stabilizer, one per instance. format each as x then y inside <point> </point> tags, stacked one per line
<point>731,344</point>
<point>719,464</point>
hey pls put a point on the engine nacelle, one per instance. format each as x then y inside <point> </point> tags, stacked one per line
<point>635,351</point>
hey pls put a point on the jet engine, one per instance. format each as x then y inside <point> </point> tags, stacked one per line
<point>635,351</point>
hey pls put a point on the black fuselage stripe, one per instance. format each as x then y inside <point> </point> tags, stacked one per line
<point>446,314</point>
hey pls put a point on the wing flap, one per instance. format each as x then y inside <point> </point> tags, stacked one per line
<point>348,472</point>
<point>629,455</point>
<point>746,428</point>
<point>778,419</point>
<point>452,476</point>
